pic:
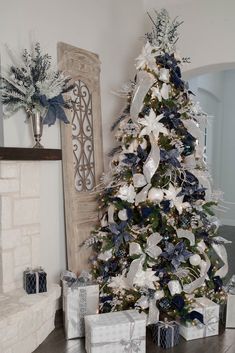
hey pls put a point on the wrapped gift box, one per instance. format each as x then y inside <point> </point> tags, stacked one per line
<point>230,316</point>
<point>35,281</point>
<point>80,298</point>
<point>210,312</point>
<point>116,332</point>
<point>166,334</point>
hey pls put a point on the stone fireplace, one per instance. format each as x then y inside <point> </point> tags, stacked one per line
<point>25,320</point>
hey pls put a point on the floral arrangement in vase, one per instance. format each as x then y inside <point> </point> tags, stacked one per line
<point>34,86</point>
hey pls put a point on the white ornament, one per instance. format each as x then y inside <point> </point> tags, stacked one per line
<point>174,287</point>
<point>159,294</point>
<point>195,260</point>
<point>122,215</point>
<point>164,75</point>
<point>155,195</point>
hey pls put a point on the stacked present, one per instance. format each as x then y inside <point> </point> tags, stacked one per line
<point>208,325</point>
<point>230,316</point>
<point>117,332</point>
<point>166,334</point>
<point>80,298</point>
<point>35,280</point>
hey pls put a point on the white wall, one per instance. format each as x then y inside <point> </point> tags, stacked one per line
<point>215,92</point>
<point>108,28</point>
<point>206,34</point>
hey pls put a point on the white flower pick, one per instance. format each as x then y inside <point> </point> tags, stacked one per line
<point>127,193</point>
<point>177,201</point>
<point>152,125</point>
<point>147,58</point>
<point>119,281</point>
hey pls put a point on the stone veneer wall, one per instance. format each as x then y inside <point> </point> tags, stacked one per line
<point>19,221</point>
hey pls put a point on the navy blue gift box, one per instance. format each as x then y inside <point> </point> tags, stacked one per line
<point>166,334</point>
<point>35,281</point>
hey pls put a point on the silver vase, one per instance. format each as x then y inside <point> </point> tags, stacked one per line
<point>37,126</point>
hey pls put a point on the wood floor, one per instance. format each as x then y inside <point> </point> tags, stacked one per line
<point>225,343</point>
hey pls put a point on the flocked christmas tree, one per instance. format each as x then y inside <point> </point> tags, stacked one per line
<point>157,247</point>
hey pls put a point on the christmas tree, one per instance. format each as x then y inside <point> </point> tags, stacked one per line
<point>156,247</point>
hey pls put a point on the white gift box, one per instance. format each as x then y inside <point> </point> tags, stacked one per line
<point>116,332</point>
<point>210,312</point>
<point>230,315</point>
<point>78,302</point>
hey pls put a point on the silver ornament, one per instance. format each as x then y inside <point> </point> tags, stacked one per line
<point>155,195</point>
<point>122,215</point>
<point>195,260</point>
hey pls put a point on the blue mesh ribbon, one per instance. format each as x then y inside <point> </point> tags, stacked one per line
<point>54,109</point>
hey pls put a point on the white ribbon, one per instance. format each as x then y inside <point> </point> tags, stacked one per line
<point>222,253</point>
<point>149,169</point>
<point>182,233</point>
<point>153,160</point>
<point>144,83</point>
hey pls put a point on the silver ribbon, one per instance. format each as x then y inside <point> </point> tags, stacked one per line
<point>149,169</point>
<point>37,281</point>
<point>144,83</point>
<point>131,345</point>
<point>165,324</point>
<point>73,282</point>
<point>222,253</point>
<point>182,233</point>
<point>191,287</point>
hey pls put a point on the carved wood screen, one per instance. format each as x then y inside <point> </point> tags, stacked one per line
<point>82,152</point>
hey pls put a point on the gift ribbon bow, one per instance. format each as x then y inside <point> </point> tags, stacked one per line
<point>165,324</point>
<point>73,282</point>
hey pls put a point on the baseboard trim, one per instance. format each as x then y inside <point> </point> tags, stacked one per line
<point>227,221</point>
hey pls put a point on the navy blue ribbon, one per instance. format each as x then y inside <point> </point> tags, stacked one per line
<point>54,109</point>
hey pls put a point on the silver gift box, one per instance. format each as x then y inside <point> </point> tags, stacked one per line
<point>210,312</point>
<point>77,303</point>
<point>230,316</point>
<point>116,332</point>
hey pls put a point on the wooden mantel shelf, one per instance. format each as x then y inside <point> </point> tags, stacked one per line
<point>29,154</point>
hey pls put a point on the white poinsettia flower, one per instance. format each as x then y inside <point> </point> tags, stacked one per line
<point>147,58</point>
<point>177,201</point>
<point>119,281</point>
<point>127,193</point>
<point>145,278</point>
<point>152,125</point>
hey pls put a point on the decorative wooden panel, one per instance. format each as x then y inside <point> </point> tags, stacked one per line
<point>82,152</point>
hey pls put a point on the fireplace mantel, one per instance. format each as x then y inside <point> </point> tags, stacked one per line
<point>29,154</point>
